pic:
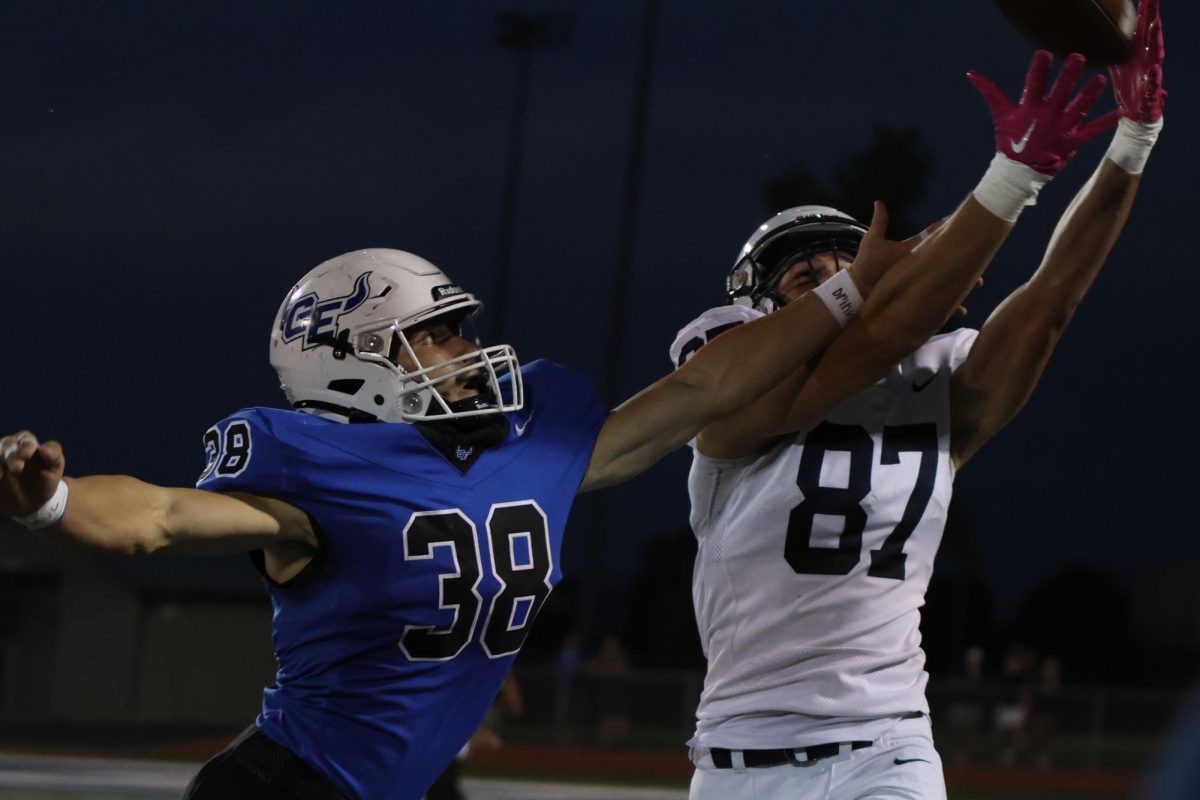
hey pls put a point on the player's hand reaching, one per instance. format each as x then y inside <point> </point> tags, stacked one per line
<point>877,254</point>
<point>1043,131</point>
<point>29,473</point>
<point>1137,83</point>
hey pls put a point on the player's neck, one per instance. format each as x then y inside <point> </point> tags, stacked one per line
<point>463,440</point>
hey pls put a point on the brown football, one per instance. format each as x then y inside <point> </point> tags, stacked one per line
<point>1100,29</point>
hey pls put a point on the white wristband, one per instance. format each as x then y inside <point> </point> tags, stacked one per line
<point>1008,186</point>
<point>841,297</point>
<point>1132,143</point>
<point>50,513</point>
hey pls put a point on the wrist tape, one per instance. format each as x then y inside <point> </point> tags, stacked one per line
<point>841,297</point>
<point>50,513</point>
<point>1132,143</point>
<point>1008,186</point>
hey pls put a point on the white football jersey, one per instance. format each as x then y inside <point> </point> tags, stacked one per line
<point>814,559</point>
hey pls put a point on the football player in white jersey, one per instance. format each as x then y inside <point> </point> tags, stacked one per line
<point>818,511</point>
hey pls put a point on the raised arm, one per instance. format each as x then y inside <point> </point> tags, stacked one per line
<point>125,515</point>
<point>1035,138</point>
<point>910,304</point>
<point>1015,345</point>
<point>734,369</point>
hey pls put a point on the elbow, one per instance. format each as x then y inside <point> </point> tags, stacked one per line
<point>147,535</point>
<point>711,394</point>
<point>141,544</point>
<point>118,515</point>
<point>155,532</point>
<point>133,540</point>
<point>1053,314</point>
<point>1050,303</point>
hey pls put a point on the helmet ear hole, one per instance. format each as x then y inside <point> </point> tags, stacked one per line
<point>346,385</point>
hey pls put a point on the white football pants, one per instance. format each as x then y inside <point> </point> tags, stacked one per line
<point>901,765</point>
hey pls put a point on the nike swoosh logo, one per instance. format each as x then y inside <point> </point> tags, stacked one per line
<point>520,426</point>
<point>917,387</point>
<point>1019,147</point>
<point>909,760</point>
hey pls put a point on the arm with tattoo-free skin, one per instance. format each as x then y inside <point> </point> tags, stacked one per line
<point>731,371</point>
<point>1037,135</point>
<point>1015,344</point>
<point>123,514</point>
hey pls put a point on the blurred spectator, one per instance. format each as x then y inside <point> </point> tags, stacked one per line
<point>565,685</point>
<point>966,709</point>
<point>607,671</point>
<point>1044,712</point>
<point>1012,710</point>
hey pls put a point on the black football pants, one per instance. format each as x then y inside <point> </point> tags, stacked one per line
<point>255,768</point>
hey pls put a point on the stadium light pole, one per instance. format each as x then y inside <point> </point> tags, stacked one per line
<point>619,317</point>
<point>524,33</point>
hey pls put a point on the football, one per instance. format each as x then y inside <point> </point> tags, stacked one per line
<point>1102,30</point>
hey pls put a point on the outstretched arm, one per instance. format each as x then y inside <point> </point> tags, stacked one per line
<point>126,515</point>
<point>914,300</point>
<point>744,364</point>
<point>1015,344</point>
<point>730,371</point>
<point>1034,139</point>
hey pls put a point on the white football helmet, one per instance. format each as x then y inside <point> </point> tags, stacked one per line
<point>340,331</point>
<point>789,236</point>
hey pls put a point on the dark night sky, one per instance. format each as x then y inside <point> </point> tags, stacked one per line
<point>169,169</point>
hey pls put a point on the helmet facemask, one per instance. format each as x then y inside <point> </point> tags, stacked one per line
<point>418,397</point>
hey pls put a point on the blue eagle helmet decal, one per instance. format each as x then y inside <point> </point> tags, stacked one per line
<point>316,319</point>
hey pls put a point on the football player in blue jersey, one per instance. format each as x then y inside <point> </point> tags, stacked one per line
<point>406,512</point>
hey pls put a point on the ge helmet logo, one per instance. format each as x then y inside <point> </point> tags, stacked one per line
<point>316,319</point>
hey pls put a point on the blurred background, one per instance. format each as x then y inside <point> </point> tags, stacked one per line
<point>590,170</point>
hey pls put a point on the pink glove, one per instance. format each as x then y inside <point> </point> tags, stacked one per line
<point>1044,131</point>
<point>1138,82</point>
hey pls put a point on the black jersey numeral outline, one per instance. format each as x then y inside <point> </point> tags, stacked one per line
<point>802,557</point>
<point>228,453</point>
<point>458,591</point>
<point>524,582</point>
<point>503,634</point>
<point>889,560</point>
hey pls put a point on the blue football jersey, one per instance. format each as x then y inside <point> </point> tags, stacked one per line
<point>393,643</point>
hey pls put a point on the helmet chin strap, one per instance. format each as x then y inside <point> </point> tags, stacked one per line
<point>483,399</point>
<point>352,415</point>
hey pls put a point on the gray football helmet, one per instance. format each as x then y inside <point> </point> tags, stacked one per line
<point>339,333</point>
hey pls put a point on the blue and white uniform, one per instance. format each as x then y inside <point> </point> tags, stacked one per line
<point>394,641</point>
